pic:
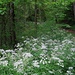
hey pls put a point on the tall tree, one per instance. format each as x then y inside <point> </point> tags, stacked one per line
<point>74,10</point>
<point>12,24</point>
<point>36,13</point>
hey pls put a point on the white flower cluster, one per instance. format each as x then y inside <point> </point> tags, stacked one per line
<point>36,63</point>
<point>40,51</point>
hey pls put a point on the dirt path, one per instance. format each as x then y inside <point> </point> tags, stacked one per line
<point>70,30</point>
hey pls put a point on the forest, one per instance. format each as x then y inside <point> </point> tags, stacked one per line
<point>37,37</point>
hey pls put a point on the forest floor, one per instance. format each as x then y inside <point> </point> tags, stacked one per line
<point>52,52</point>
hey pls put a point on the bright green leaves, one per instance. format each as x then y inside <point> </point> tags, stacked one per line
<point>3,6</point>
<point>2,11</point>
<point>56,9</point>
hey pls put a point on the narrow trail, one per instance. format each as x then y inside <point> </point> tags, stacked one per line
<point>70,31</point>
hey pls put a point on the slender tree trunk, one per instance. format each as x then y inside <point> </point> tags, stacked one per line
<point>36,13</point>
<point>36,18</point>
<point>7,30</point>
<point>12,24</point>
<point>74,10</point>
<point>3,31</point>
<point>40,15</point>
<point>0,31</point>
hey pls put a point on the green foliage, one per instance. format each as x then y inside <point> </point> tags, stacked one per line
<point>45,50</point>
<point>2,8</point>
<point>55,11</point>
<point>69,18</point>
<point>6,70</point>
<point>54,58</point>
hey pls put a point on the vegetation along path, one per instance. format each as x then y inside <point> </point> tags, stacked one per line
<point>31,41</point>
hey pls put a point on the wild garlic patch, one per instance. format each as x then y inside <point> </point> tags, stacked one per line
<point>42,55</point>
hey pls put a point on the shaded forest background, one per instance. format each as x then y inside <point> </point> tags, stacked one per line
<point>22,17</point>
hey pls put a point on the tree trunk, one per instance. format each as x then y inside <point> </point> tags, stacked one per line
<point>36,13</point>
<point>2,31</point>
<point>74,10</point>
<point>12,24</point>
<point>35,18</point>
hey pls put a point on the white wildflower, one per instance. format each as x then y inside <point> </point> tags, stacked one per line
<point>4,63</point>
<point>24,41</point>
<point>1,50</point>
<point>3,58</point>
<point>35,39</point>
<point>9,51</point>
<point>36,64</point>
<point>35,74</point>
<point>20,48</point>
<point>34,49</point>
<point>60,64</point>
<point>55,58</point>
<point>27,55</point>
<point>25,74</point>
<point>60,61</point>
<point>18,63</point>
<point>51,72</point>
<point>22,36</point>
<point>18,45</point>
<point>69,72</point>
<point>43,46</point>
<point>73,49</point>
<point>49,61</point>
<point>43,62</point>
<point>70,68</point>
<point>56,48</point>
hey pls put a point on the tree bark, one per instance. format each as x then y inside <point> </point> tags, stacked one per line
<point>12,24</point>
<point>74,10</point>
<point>36,13</point>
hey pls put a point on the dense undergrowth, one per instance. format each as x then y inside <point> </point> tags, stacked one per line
<point>50,53</point>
